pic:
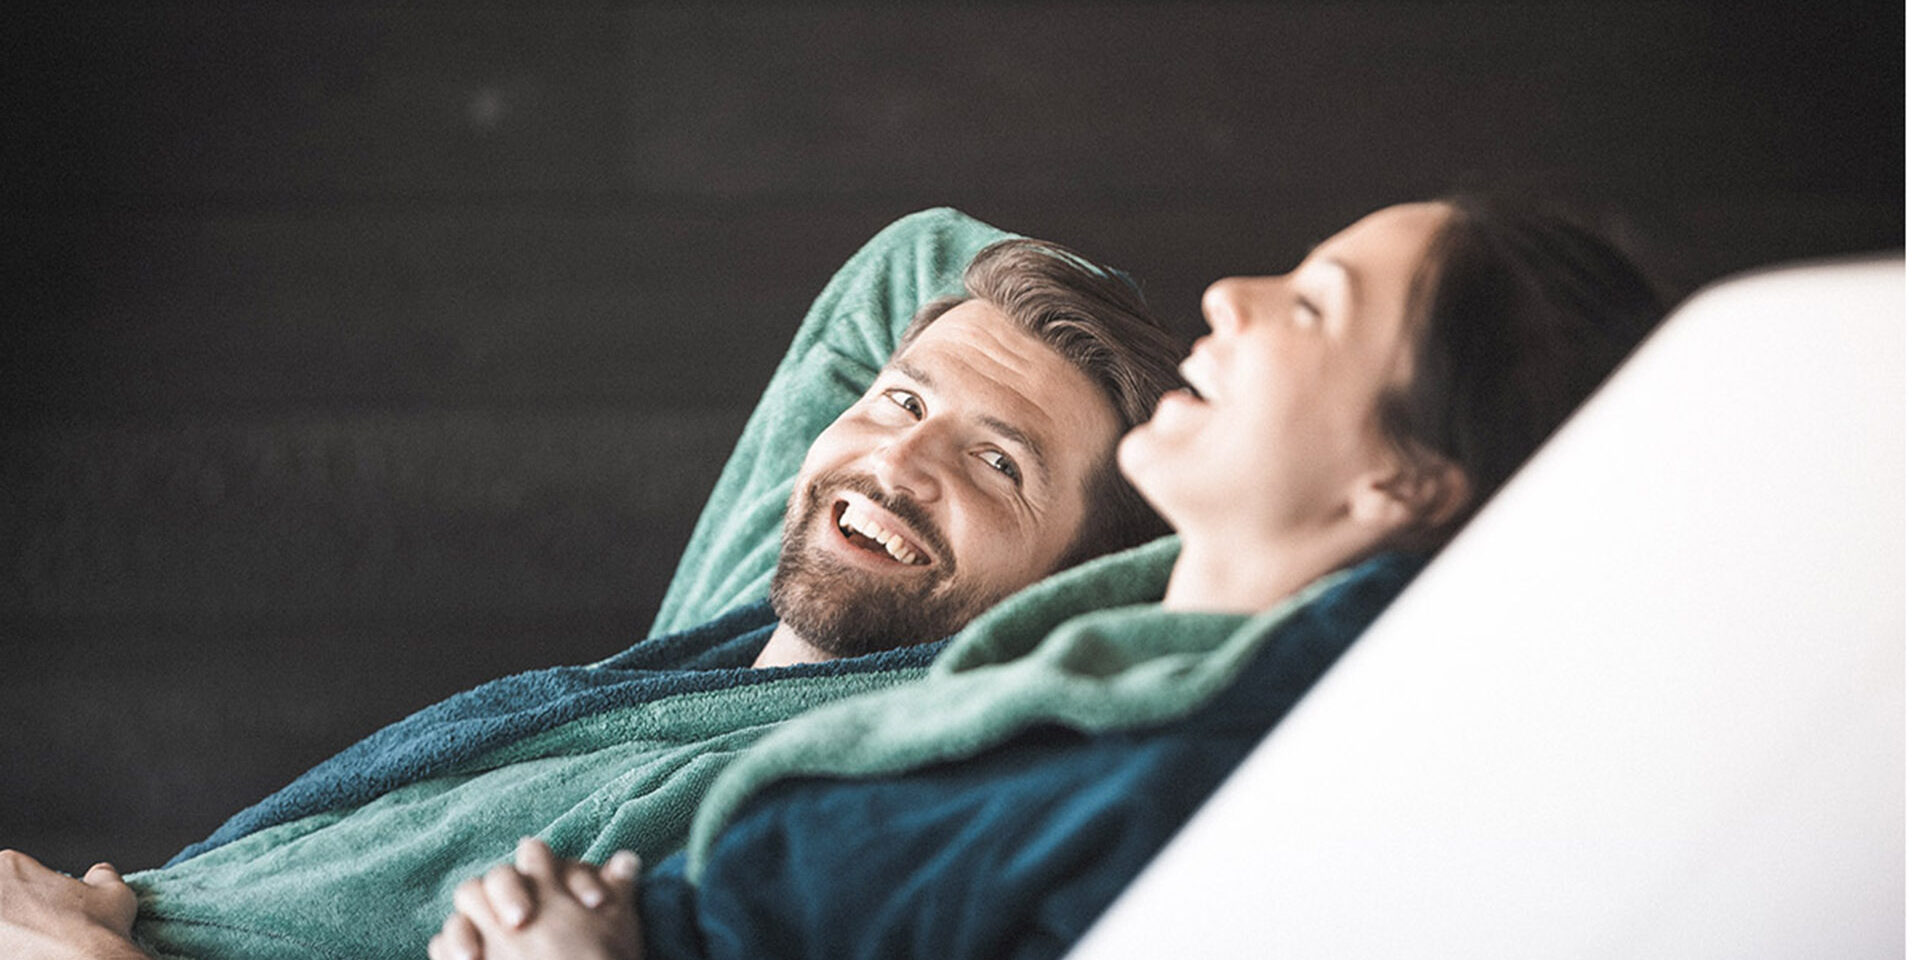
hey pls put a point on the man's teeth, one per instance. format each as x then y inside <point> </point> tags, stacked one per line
<point>857,521</point>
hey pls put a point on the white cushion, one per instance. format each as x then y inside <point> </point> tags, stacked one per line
<point>1649,704</point>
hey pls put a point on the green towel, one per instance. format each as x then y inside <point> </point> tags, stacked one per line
<point>1087,648</point>
<point>847,337</point>
<point>375,879</point>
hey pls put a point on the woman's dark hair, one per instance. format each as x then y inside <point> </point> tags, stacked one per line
<point>1518,313</point>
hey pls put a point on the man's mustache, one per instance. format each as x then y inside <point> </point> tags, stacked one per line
<point>909,511</point>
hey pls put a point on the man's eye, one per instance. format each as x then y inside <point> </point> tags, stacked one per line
<point>1003,463</point>
<point>905,400</point>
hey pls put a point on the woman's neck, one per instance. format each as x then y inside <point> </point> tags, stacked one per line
<point>1233,573</point>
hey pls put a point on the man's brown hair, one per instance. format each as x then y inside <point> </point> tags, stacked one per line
<point>1096,319</point>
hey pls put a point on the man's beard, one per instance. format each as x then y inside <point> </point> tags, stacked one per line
<point>845,611</point>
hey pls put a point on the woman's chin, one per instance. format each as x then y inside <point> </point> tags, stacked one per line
<point>1135,455</point>
<point>1146,461</point>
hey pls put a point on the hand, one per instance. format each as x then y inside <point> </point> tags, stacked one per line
<point>46,915</point>
<point>544,909</point>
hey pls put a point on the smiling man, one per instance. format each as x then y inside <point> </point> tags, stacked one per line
<point>905,469</point>
<point>980,460</point>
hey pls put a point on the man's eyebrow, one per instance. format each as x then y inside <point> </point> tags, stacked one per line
<point>912,372</point>
<point>1036,451</point>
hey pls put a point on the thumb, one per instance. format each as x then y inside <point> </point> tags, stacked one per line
<point>621,871</point>
<point>115,903</point>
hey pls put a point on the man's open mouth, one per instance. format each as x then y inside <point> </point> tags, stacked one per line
<point>866,528</point>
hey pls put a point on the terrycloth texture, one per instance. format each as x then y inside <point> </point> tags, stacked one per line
<point>459,732</point>
<point>612,757</point>
<point>1012,844</point>
<point>358,857</point>
<point>997,677</point>
<point>1086,649</point>
<point>848,335</point>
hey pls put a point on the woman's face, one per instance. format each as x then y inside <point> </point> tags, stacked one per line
<point>1283,430</point>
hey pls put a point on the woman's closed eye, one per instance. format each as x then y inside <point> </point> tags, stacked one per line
<point>1306,313</point>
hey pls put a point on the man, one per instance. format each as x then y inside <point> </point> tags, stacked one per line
<point>978,459</point>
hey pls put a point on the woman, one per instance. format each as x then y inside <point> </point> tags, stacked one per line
<point>1346,419</point>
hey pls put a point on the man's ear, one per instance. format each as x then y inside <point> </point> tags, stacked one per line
<point>1409,496</point>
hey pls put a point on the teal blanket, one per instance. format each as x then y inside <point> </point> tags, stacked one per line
<point>360,858</point>
<point>375,879</point>
<point>460,733</point>
<point>995,809</point>
<point>1088,649</point>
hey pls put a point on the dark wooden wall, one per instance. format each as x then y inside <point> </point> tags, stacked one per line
<point>355,354</point>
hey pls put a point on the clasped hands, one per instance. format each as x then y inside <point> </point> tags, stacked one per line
<point>539,908</point>
<point>543,908</point>
<point>47,915</point>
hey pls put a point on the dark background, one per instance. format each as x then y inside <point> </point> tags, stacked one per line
<point>356,354</point>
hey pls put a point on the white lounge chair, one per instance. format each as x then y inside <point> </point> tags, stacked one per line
<point>1649,704</point>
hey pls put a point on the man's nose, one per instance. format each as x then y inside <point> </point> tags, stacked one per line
<point>908,463</point>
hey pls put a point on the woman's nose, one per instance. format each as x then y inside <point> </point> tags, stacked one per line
<point>1224,304</point>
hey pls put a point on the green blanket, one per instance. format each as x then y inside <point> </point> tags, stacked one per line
<point>1088,648</point>
<point>374,879</point>
<point>998,807</point>
<point>847,337</point>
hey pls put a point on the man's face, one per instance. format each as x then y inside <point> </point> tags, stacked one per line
<point>957,479</point>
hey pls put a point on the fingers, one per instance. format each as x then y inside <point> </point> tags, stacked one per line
<point>622,867</point>
<point>458,939</point>
<point>590,886</point>
<point>470,900</point>
<point>593,886</point>
<point>508,895</point>
<point>611,881</point>
<point>113,899</point>
<point>584,883</point>
<point>621,870</point>
<point>535,859</point>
